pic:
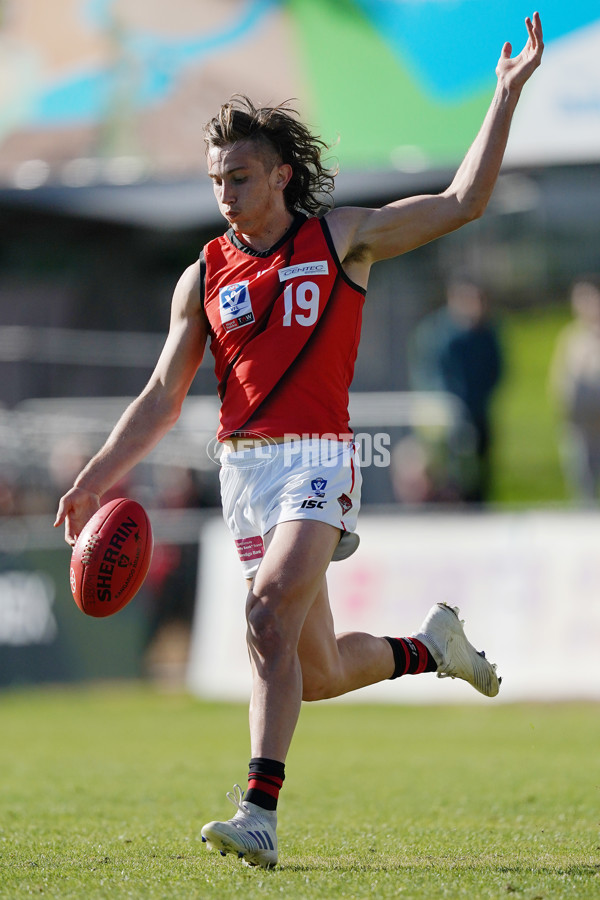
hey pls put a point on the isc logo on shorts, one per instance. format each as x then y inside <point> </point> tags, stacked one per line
<point>313,503</point>
<point>235,306</point>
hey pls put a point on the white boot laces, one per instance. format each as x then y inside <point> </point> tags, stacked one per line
<point>236,796</point>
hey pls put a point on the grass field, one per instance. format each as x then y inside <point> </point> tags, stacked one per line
<point>104,791</point>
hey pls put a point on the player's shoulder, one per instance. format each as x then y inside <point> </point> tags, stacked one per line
<point>343,215</point>
<point>189,281</point>
<point>187,295</point>
<point>346,226</point>
<point>343,221</point>
<point>190,277</point>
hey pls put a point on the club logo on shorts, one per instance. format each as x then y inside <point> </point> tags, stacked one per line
<point>345,502</point>
<point>318,485</point>
<point>235,306</point>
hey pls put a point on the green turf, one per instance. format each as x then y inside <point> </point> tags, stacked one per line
<point>104,792</point>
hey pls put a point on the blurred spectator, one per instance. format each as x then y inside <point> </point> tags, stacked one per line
<point>8,499</point>
<point>412,482</point>
<point>575,380</point>
<point>456,349</point>
<point>419,470</point>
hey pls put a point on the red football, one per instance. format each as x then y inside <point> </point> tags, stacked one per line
<point>111,558</point>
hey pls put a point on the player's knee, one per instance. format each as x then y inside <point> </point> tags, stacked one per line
<point>268,632</point>
<point>314,691</point>
<point>319,684</point>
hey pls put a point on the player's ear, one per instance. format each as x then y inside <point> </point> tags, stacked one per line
<point>282,174</point>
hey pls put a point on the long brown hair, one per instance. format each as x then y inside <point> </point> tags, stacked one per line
<point>311,186</point>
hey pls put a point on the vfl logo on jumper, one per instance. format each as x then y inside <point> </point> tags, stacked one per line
<point>318,485</point>
<point>345,502</point>
<point>311,268</point>
<point>235,306</point>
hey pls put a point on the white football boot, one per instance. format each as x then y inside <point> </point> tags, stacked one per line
<point>251,834</point>
<point>443,635</point>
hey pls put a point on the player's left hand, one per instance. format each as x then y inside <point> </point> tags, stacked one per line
<point>515,72</point>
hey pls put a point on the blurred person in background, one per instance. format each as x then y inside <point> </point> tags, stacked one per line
<point>456,349</point>
<point>575,383</point>
<point>280,295</point>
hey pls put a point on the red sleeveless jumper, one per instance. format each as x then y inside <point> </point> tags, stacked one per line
<point>285,327</point>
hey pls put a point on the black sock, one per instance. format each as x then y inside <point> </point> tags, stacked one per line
<point>265,777</point>
<point>411,657</point>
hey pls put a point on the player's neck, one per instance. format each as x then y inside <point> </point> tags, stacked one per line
<point>268,235</point>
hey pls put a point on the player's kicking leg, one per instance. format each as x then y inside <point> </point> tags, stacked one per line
<point>336,664</point>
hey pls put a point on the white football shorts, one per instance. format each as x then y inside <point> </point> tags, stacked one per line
<point>314,478</point>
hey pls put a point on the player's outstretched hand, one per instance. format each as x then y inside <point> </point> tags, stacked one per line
<point>515,72</point>
<point>75,509</point>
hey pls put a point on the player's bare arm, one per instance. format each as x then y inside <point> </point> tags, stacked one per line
<point>363,236</point>
<point>151,415</point>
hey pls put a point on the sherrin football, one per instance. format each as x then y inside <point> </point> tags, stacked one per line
<point>111,557</point>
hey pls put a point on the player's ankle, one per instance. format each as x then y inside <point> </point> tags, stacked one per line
<point>411,657</point>
<point>265,778</point>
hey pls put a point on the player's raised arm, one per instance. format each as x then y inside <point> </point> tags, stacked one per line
<point>148,418</point>
<point>363,236</point>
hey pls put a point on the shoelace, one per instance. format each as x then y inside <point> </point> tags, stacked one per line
<point>253,827</point>
<point>251,819</point>
<point>236,796</point>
